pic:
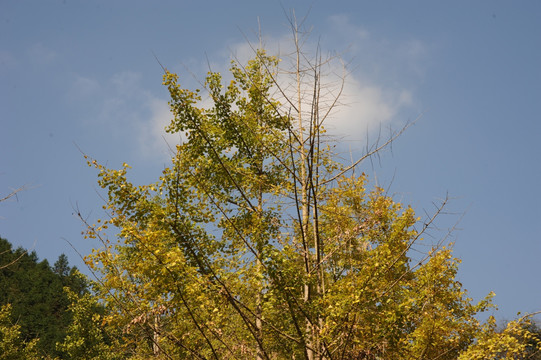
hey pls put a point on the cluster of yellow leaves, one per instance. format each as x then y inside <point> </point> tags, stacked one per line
<point>12,346</point>
<point>514,342</point>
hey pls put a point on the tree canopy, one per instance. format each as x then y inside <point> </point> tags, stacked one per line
<point>258,242</point>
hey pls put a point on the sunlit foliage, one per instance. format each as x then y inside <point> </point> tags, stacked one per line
<point>257,242</point>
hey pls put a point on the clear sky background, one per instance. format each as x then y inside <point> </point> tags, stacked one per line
<point>84,73</point>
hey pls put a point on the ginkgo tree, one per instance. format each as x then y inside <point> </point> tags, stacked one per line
<point>12,345</point>
<point>258,242</point>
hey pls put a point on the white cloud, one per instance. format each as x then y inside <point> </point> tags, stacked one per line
<point>371,99</point>
<point>368,108</point>
<point>144,116</point>
<point>122,109</point>
<point>374,94</point>
<point>153,140</point>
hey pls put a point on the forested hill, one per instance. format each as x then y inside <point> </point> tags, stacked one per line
<point>35,290</point>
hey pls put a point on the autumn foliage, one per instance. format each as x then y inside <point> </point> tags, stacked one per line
<point>257,242</point>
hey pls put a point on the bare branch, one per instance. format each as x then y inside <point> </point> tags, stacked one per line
<point>13,193</point>
<point>373,151</point>
<point>14,261</point>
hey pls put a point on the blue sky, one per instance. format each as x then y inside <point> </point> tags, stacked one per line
<point>84,73</point>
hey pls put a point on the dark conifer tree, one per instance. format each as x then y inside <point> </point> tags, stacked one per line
<point>36,292</point>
